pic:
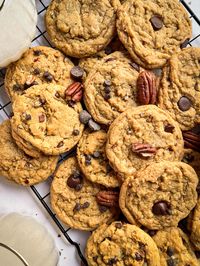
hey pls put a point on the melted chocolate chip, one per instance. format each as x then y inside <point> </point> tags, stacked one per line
<point>135,66</point>
<point>138,256</point>
<point>156,22</point>
<point>107,89</point>
<point>107,96</point>
<point>75,132</point>
<point>27,117</point>
<point>47,76</point>
<point>60,144</point>
<point>26,182</point>
<point>184,103</point>
<point>74,182</point>
<point>77,207</point>
<point>77,72</point>
<point>161,208</point>
<point>103,208</point>
<point>169,128</point>
<point>88,159</point>
<point>170,251</point>
<point>37,52</point>
<point>85,205</point>
<point>112,261</point>
<point>185,43</point>
<point>36,71</point>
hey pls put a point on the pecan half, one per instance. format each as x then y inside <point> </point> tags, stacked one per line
<point>108,198</point>
<point>75,91</point>
<point>144,150</point>
<point>147,87</point>
<point>191,140</point>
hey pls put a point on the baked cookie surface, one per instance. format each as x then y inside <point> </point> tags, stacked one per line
<point>15,165</point>
<point>141,136</point>
<point>160,195</point>
<point>195,226</point>
<point>38,65</point>
<point>81,28</point>
<point>43,118</point>
<point>121,244</point>
<point>153,30</point>
<point>74,198</point>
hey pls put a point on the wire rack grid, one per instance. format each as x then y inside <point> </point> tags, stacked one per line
<point>6,109</point>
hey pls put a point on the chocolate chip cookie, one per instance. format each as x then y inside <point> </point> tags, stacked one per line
<point>141,136</point>
<point>174,248</point>
<point>180,87</point>
<point>81,28</point>
<point>111,87</point>
<point>92,159</point>
<point>153,30</point>
<point>45,118</point>
<point>15,165</point>
<point>160,195</point>
<point>194,226</point>
<point>79,203</point>
<point>121,244</point>
<point>38,65</point>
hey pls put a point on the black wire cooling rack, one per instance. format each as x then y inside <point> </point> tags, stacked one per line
<point>6,108</point>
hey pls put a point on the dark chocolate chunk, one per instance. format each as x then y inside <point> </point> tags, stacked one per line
<point>161,208</point>
<point>88,159</point>
<point>60,144</point>
<point>37,52</point>
<point>138,256</point>
<point>36,71</point>
<point>184,103</point>
<point>170,251</point>
<point>156,22</point>
<point>107,89</point>
<point>26,182</point>
<point>185,43</point>
<point>93,125</point>
<point>84,117</point>
<point>118,225</point>
<point>77,207</point>
<point>103,208</point>
<point>85,205</point>
<point>169,128</point>
<point>47,76</point>
<point>107,96</point>
<point>73,182</point>
<point>77,72</point>
<point>75,132</point>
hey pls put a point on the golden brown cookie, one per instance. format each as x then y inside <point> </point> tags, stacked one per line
<point>153,30</point>
<point>44,118</point>
<point>78,202</point>
<point>38,65</point>
<point>15,165</point>
<point>81,28</point>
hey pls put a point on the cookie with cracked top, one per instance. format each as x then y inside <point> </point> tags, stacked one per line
<point>153,30</point>
<point>78,202</point>
<point>92,159</point>
<point>38,65</point>
<point>16,166</point>
<point>81,28</point>
<point>43,118</point>
<point>140,136</point>
<point>179,88</point>
<point>121,244</point>
<point>174,247</point>
<point>160,195</point>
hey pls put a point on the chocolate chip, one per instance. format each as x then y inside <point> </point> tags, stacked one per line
<point>135,66</point>
<point>107,83</point>
<point>71,103</point>
<point>88,159</point>
<point>171,262</point>
<point>108,168</point>
<point>152,232</point>
<point>26,182</point>
<point>112,261</point>
<point>74,182</point>
<point>37,52</point>
<point>75,132</point>
<point>103,208</point>
<point>95,258</point>
<point>107,89</point>
<point>108,50</point>
<point>78,187</point>
<point>138,256</point>
<point>42,118</point>
<point>77,207</point>
<point>107,96</point>
<point>118,225</point>
<point>17,87</point>
<point>96,154</point>
<point>161,208</point>
<point>93,125</point>
<point>77,72</point>
<point>57,94</point>
<point>85,205</point>
<point>26,117</point>
<point>184,103</point>
<point>42,101</point>
<point>36,71</point>
<point>84,117</point>
<point>156,22</point>
<point>170,251</point>
<point>169,128</point>
<point>185,43</point>
<point>141,245</point>
<point>47,76</point>
<point>60,144</point>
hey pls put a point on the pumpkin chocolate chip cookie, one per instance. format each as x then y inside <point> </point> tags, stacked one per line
<point>92,159</point>
<point>121,244</point>
<point>141,136</point>
<point>153,30</point>
<point>38,65</point>
<point>174,248</point>
<point>160,195</point>
<point>79,203</point>
<point>45,117</point>
<point>111,87</point>
<point>15,165</point>
<point>180,87</point>
<point>81,28</point>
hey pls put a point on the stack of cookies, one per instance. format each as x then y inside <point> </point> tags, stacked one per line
<point>127,101</point>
